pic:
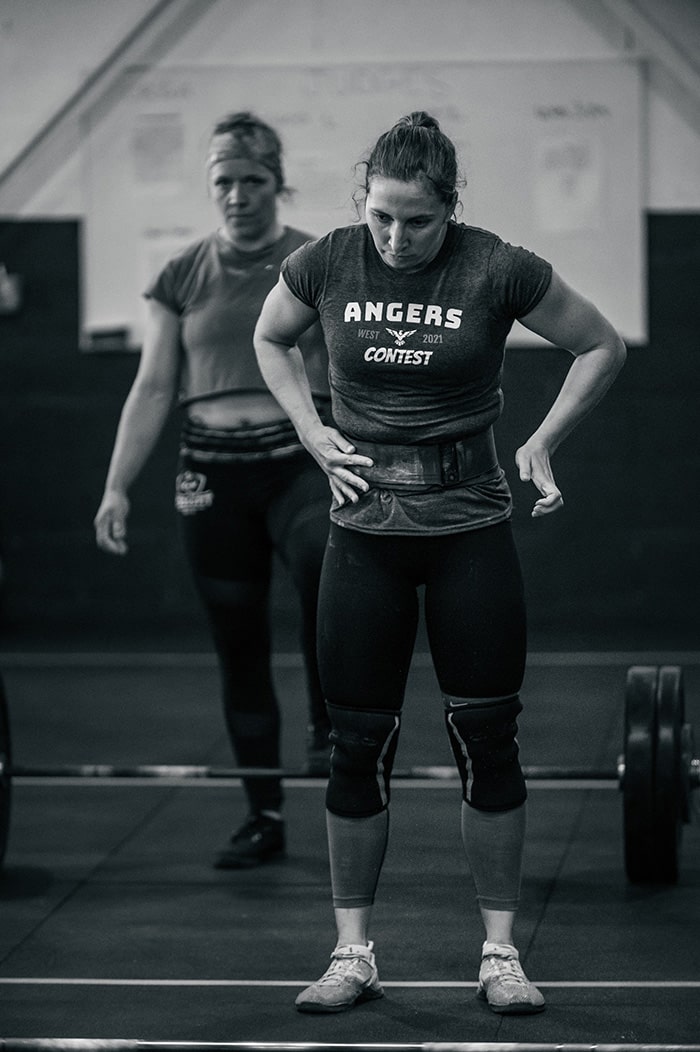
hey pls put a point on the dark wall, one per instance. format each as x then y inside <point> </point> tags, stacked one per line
<point>624,550</point>
<point>58,414</point>
<point>619,563</point>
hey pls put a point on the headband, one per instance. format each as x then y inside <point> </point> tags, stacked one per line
<point>229,146</point>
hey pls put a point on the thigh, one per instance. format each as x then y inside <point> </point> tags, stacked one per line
<point>298,492</point>
<point>297,517</point>
<point>224,532</point>
<point>475,613</point>
<point>368,614</point>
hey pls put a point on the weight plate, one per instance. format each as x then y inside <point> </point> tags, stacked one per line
<point>670,788</point>
<point>5,772</point>
<point>638,780</point>
<point>687,759</point>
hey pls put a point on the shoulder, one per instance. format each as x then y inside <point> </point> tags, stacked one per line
<point>192,255</point>
<point>308,270</point>
<point>492,249</point>
<point>335,240</point>
<point>194,249</point>
<point>472,241</point>
<point>518,277</point>
<point>174,283</point>
<point>328,249</point>
<point>345,238</point>
<point>503,254</point>
<point>476,239</point>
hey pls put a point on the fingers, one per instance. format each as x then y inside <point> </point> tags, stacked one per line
<point>552,502</point>
<point>110,531</point>
<point>551,499</point>
<point>341,452</point>
<point>342,493</point>
<point>340,462</point>
<point>111,538</point>
<point>533,466</point>
<point>346,486</point>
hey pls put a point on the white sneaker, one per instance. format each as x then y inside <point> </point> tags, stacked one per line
<point>503,983</point>
<point>351,979</point>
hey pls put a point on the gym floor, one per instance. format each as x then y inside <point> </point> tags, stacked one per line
<point>115,925</point>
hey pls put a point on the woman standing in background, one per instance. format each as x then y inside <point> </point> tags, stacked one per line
<point>246,488</point>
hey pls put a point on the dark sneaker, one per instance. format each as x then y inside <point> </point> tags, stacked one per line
<point>318,751</point>
<point>503,983</point>
<point>351,978</point>
<point>260,839</point>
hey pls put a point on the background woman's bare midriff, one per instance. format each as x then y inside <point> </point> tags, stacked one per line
<point>236,410</point>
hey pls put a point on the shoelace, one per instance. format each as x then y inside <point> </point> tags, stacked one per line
<point>509,968</point>
<point>339,969</point>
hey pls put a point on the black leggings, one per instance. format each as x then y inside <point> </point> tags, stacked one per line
<point>234,517</point>
<point>368,614</point>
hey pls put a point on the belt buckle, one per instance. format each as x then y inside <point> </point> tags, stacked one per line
<point>449,462</point>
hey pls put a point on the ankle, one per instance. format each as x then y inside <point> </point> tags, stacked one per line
<point>354,949</point>
<point>498,948</point>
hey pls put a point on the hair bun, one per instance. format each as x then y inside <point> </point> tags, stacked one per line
<point>419,119</point>
<point>416,149</point>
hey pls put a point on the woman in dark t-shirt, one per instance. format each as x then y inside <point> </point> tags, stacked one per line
<point>415,309</point>
<point>246,488</point>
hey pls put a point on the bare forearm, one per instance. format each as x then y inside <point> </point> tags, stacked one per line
<point>588,379</point>
<point>141,423</point>
<point>283,371</point>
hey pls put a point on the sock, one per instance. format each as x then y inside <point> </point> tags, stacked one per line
<point>356,847</point>
<point>493,842</point>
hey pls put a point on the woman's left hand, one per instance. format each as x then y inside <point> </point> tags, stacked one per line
<point>533,464</point>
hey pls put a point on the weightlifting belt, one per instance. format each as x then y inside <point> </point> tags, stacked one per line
<point>441,464</point>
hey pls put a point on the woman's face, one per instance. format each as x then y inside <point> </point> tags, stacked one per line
<point>407,221</point>
<point>245,193</point>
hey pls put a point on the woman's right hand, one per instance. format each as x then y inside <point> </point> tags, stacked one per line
<point>337,457</point>
<point>110,523</point>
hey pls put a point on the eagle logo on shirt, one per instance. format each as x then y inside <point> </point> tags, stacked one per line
<point>401,335</point>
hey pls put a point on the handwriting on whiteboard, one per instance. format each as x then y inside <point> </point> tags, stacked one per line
<point>575,111</point>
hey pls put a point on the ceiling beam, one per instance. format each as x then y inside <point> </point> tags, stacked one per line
<point>631,30</point>
<point>60,138</point>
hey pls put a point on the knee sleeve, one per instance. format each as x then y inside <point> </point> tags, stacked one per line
<point>362,756</point>
<point>482,734</point>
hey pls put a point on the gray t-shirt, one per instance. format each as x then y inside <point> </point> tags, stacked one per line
<point>417,358</point>
<point>217,292</point>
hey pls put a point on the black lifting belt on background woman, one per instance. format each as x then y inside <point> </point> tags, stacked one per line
<point>439,464</point>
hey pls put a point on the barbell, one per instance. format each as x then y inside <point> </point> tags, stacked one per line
<point>59,1044</point>
<point>656,773</point>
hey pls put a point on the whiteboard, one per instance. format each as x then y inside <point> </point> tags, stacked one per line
<point>552,154</point>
